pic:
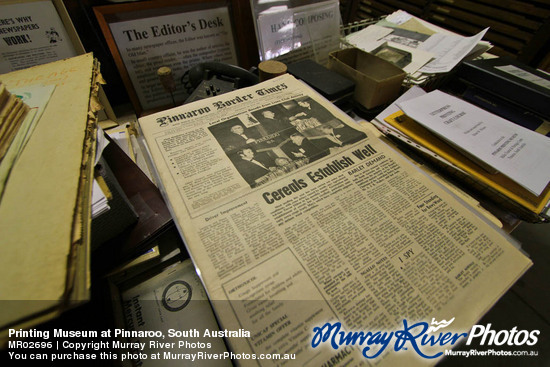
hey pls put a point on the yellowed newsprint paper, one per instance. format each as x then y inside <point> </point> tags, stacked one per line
<point>318,244</point>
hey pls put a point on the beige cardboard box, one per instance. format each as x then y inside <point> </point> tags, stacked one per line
<point>377,81</point>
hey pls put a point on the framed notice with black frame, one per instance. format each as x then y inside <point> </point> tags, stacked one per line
<point>145,36</point>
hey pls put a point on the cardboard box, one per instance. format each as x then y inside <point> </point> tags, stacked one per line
<point>377,81</point>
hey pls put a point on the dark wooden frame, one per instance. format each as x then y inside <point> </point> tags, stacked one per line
<point>241,24</point>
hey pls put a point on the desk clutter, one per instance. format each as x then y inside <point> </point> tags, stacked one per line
<point>315,214</point>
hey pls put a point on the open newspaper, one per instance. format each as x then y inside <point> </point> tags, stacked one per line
<point>315,240</point>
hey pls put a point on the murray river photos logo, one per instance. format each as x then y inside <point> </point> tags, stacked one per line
<point>418,337</point>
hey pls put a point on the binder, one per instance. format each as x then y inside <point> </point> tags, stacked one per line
<point>521,84</point>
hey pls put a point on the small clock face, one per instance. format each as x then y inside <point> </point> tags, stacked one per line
<point>176,295</point>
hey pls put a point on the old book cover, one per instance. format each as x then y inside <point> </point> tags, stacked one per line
<point>45,209</point>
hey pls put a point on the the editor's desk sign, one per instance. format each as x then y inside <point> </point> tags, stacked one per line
<point>178,34</point>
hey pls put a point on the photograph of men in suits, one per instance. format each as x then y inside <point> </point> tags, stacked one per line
<point>299,147</point>
<point>307,107</point>
<point>273,122</point>
<point>235,134</point>
<point>252,165</point>
<point>238,136</point>
<point>330,136</point>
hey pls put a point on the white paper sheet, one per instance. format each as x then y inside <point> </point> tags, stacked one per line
<point>412,93</point>
<point>449,50</point>
<point>100,204</point>
<point>382,125</point>
<point>366,36</point>
<point>519,153</point>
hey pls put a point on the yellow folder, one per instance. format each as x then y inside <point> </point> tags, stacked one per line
<point>495,185</point>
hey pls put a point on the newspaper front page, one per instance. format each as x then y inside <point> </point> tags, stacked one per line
<point>317,241</point>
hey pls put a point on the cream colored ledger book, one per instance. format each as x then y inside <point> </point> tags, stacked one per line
<point>45,209</point>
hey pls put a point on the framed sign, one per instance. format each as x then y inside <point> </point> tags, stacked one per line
<point>35,32</point>
<point>300,30</point>
<point>178,34</point>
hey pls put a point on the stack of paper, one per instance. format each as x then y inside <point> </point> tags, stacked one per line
<point>100,191</point>
<point>35,98</point>
<point>502,157</point>
<point>420,48</point>
<point>100,204</point>
<point>12,113</point>
<point>45,209</point>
